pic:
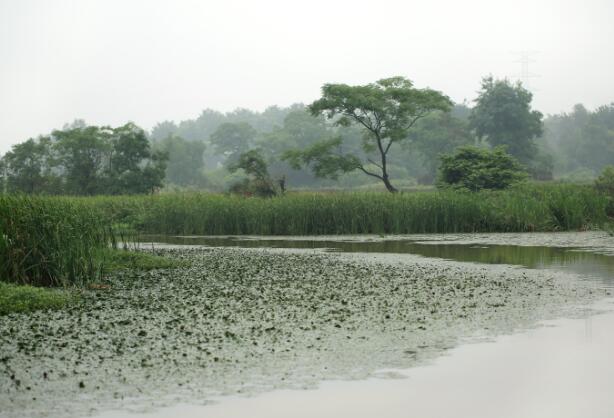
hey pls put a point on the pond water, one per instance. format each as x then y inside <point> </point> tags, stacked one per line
<point>583,261</point>
<point>562,368</point>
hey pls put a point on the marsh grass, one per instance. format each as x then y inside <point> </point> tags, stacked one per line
<point>22,299</point>
<point>536,207</point>
<point>61,241</point>
<point>50,241</point>
<point>117,259</point>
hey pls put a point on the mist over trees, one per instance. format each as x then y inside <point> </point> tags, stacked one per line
<point>85,160</point>
<point>581,142</point>
<point>314,147</point>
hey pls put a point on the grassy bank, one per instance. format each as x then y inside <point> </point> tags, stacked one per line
<point>552,207</point>
<point>50,241</point>
<point>61,241</point>
<point>22,299</point>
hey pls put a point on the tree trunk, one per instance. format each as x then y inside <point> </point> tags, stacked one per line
<point>388,185</point>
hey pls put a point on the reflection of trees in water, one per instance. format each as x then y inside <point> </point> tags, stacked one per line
<point>565,259</point>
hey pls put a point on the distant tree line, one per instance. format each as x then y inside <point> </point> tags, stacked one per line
<point>388,133</point>
<point>85,160</point>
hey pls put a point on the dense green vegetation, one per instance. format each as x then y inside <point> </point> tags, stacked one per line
<point>62,241</point>
<point>21,299</point>
<point>306,150</point>
<point>547,207</point>
<point>85,160</point>
<point>582,142</point>
<point>114,260</point>
<point>50,241</point>
<point>384,111</point>
<point>474,168</point>
<point>59,241</point>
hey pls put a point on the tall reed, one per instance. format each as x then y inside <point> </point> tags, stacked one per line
<point>548,207</point>
<point>50,241</point>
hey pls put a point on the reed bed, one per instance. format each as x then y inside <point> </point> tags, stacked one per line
<point>48,241</point>
<point>548,207</point>
<point>61,241</point>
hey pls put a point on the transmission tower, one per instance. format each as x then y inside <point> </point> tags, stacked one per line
<point>525,76</point>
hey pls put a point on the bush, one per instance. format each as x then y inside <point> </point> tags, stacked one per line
<point>605,182</point>
<point>474,169</point>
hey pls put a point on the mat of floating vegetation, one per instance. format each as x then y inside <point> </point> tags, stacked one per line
<point>245,321</point>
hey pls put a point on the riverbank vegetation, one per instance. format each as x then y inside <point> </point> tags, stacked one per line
<point>21,299</point>
<point>530,207</point>
<point>66,241</point>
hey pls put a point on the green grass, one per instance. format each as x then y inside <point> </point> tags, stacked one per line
<point>137,260</point>
<point>48,241</point>
<point>62,241</point>
<point>538,207</point>
<point>20,299</point>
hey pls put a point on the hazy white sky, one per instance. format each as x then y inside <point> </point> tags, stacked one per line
<point>109,61</point>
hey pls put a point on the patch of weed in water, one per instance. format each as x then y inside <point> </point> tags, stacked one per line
<point>246,321</point>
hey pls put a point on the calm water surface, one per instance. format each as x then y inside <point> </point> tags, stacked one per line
<point>561,369</point>
<point>590,265</point>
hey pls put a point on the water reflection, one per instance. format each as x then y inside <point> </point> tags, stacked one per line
<point>575,260</point>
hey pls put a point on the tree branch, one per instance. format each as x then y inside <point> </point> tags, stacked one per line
<point>419,116</point>
<point>361,168</point>
<point>374,163</point>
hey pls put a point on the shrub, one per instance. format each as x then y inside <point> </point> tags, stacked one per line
<point>474,169</point>
<point>605,182</point>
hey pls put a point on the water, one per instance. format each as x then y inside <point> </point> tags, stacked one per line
<point>560,369</point>
<point>580,260</point>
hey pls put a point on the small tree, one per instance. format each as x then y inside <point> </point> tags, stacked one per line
<point>385,110</point>
<point>259,182</point>
<point>475,168</point>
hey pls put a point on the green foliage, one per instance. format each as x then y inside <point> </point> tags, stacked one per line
<point>503,116</point>
<point>27,167</point>
<point>436,134</point>
<point>474,168</point>
<point>260,183</point>
<point>605,184</point>
<point>323,159</point>
<point>384,110</point>
<point>23,299</point>
<point>582,141</point>
<point>86,160</point>
<point>185,161</point>
<point>115,259</point>
<point>133,167</point>
<point>50,241</point>
<point>526,208</point>
<point>233,139</point>
<point>605,181</point>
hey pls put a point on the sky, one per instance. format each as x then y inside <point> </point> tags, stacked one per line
<point>110,62</point>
